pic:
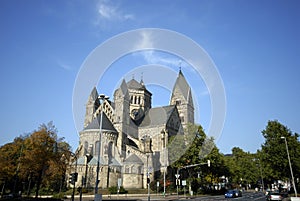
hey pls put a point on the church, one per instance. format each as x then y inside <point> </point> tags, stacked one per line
<point>128,137</point>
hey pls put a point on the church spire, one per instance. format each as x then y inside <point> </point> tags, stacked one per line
<point>142,81</point>
<point>180,61</point>
<point>91,106</point>
<point>182,98</point>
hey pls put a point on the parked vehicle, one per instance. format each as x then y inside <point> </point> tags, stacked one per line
<point>274,196</point>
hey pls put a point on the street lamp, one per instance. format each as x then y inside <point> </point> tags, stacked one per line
<point>287,151</point>
<point>101,98</point>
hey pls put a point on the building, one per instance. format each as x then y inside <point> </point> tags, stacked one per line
<point>133,134</point>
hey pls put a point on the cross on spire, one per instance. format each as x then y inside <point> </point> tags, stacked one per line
<point>180,61</point>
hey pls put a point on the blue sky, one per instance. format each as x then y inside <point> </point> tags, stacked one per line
<point>254,44</point>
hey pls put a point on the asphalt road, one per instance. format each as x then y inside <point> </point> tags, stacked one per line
<point>247,196</point>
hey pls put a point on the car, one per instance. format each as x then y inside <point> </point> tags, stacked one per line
<point>233,194</point>
<point>274,196</point>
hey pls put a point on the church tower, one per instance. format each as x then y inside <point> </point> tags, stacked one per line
<point>182,98</point>
<point>140,100</point>
<point>121,117</point>
<point>91,107</point>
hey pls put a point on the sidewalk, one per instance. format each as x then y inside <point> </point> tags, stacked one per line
<point>138,197</point>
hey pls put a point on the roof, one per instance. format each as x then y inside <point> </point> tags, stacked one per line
<point>157,116</point>
<point>94,160</point>
<point>133,84</point>
<point>106,124</point>
<point>94,94</point>
<point>182,85</point>
<point>133,159</point>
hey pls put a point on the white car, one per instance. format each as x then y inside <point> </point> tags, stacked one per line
<point>274,196</point>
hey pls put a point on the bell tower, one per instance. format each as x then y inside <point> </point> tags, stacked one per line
<point>182,98</point>
<point>140,99</point>
<point>122,118</point>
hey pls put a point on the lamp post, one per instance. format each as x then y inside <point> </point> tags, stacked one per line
<point>163,132</point>
<point>148,179</point>
<point>287,151</point>
<point>73,190</point>
<point>261,176</point>
<point>101,98</point>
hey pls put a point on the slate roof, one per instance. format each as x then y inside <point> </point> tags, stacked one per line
<point>182,85</point>
<point>133,84</point>
<point>106,124</point>
<point>133,159</point>
<point>94,94</point>
<point>157,116</point>
<point>94,160</point>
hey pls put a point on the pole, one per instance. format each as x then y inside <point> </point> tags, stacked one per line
<point>86,171</point>
<point>261,175</point>
<point>165,165</point>
<point>73,192</point>
<point>164,181</point>
<point>287,151</point>
<point>107,184</point>
<point>148,183</point>
<point>177,183</point>
<point>98,197</point>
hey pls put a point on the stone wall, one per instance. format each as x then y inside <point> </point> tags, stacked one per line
<point>132,181</point>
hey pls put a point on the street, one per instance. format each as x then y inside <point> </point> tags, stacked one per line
<point>247,196</point>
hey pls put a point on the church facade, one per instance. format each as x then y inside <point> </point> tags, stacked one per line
<point>128,137</point>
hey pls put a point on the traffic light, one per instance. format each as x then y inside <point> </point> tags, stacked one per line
<point>148,180</point>
<point>73,178</point>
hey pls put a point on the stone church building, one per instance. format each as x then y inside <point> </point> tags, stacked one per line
<point>133,136</point>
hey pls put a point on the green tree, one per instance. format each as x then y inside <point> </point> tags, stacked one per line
<point>199,149</point>
<point>244,168</point>
<point>274,154</point>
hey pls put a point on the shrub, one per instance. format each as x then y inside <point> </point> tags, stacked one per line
<point>114,190</point>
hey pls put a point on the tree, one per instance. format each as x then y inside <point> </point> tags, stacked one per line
<point>274,155</point>
<point>39,159</point>
<point>199,149</point>
<point>244,169</point>
<point>10,155</point>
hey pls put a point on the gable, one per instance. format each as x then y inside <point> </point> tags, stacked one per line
<point>157,116</point>
<point>133,159</point>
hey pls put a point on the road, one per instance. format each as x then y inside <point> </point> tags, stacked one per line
<point>247,196</point>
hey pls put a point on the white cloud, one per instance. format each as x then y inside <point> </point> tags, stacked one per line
<point>111,12</point>
<point>64,66</point>
<point>157,57</point>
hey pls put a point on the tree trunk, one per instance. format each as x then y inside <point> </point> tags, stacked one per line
<point>38,183</point>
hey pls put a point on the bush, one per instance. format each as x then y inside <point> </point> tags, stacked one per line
<point>114,190</point>
<point>59,196</point>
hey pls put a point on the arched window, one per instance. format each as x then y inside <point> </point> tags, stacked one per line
<point>139,100</point>
<point>109,152</point>
<point>86,147</point>
<point>126,169</point>
<point>97,148</point>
